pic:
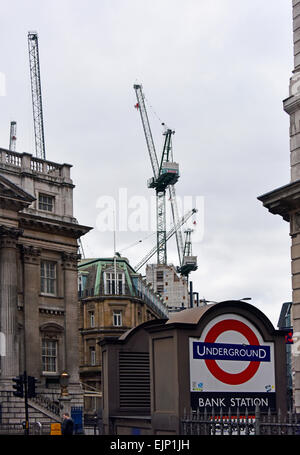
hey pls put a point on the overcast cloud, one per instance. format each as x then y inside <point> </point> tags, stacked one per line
<point>215,71</point>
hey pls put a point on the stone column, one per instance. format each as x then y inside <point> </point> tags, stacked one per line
<point>296,33</point>
<point>69,266</point>
<point>295,256</point>
<point>8,300</point>
<point>292,103</point>
<point>31,264</point>
<point>292,107</point>
<point>285,201</point>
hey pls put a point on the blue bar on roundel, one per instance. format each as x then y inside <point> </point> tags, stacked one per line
<point>225,351</point>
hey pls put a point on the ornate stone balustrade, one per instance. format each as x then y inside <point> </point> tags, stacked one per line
<point>28,163</point>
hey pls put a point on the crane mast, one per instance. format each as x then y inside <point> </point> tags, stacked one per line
<point>165,173</point>
<point>36,92</point>
<point>188,243</point>
<point>13,136</point>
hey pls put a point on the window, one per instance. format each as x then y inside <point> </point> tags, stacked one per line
<point>160,288</point>
<point>49,355</point>
<point>111,287</point>
<point>117,318</point>
<point>46,202</point>
<point>92,318</point>
<point>92,355</point>
<point>139,317</point>
<point>81,284</point>
<point>48,277</point>
<point>80,287</point>
<point>160,275</point>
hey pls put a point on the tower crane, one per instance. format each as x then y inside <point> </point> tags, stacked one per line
<point>165,173</point>
<point>36,92</point>
<point>188,262</point>
<point>169,234</point>
<point>13,136</point>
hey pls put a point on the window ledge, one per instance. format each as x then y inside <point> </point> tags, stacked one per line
<point>50,374</point>
<point>52,296</point>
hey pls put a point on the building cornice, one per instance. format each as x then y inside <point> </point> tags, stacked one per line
<point>104,330</point>
<point>283,200</point>
<point>43,224</point>
<point>291,104</point>
<point>114,299</point>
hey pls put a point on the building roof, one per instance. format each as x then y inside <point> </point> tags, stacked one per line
<point>189,315</point>
<point>119,259</point>
<point>94,283</point>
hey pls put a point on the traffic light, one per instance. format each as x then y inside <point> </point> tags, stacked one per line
<point>31,381</point>
<point>18,386</point>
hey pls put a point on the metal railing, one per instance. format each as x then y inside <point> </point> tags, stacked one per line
<point>237,423</point>
<point>93,425</point>
<point>47,404</point>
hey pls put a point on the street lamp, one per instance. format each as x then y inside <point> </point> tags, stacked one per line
<point>64,382</point>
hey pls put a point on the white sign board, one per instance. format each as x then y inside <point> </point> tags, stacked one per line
<point>231,365</point>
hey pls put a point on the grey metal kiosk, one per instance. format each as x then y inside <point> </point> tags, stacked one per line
<point>221,356</point>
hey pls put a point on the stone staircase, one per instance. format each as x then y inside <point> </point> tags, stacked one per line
<point>42,410</point>
<point>46,407</point>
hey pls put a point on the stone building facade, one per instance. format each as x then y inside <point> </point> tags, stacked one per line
<point>285,323</point>
<point>38,284</point>
<point>285,201</point>
<point>109,308</point>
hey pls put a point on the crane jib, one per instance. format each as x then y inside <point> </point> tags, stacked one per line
<point>147,130</point>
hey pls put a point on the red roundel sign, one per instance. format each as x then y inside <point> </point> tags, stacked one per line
<point>216,371</point>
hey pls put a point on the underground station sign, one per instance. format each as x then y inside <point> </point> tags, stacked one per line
<point>232,367</point>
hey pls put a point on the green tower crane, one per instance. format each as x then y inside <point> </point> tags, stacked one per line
<point>165,173</point>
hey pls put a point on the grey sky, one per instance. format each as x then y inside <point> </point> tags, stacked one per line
<point>215,71</point>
